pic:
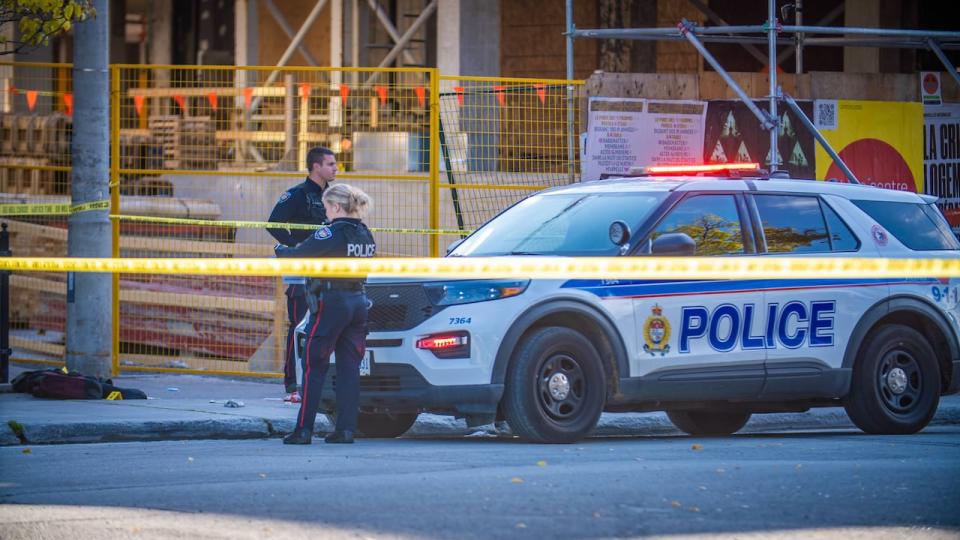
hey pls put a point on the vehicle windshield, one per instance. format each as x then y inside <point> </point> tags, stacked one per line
<point>563,224</point>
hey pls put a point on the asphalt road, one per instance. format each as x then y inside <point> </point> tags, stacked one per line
<point>839,484</point>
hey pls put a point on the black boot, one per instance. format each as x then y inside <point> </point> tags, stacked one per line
<point>341,437</point>
<point>299,436</point>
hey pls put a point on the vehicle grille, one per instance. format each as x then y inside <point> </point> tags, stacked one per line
<point>398,307</point>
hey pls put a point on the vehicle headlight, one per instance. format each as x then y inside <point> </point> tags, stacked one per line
<point>467,292</point>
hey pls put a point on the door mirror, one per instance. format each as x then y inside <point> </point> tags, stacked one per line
<point>674,244</point>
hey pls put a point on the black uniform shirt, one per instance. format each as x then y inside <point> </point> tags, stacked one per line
<point>344,237</point>
<point>300,204</point>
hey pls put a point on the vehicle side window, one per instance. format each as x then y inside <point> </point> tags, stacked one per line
<point>793,223</point>
<point>910,224</point>
<point>711,220</point>
<point>841,237</point>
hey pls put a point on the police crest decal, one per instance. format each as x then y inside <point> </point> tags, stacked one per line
<point>656,332</point>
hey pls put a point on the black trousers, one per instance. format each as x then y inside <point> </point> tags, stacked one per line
<point>339,326</point>
<point>296,309</point>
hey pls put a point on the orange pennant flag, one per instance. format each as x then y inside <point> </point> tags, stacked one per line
<point>541,92</point>
<point>68,103</point>
<point>459,91</point>
<point>304,90</point>
<point>212,98</point>
<point>31,99</point>
<point>344,93</point>
<point>421,95</point>
<point>138,104</point>
<point>382,92</point>
<point>181,102</point>
<point>247,97</point>
<point>501,98</point>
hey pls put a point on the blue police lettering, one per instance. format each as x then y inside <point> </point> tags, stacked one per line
<point>792,326</point>
<point>360,250</point>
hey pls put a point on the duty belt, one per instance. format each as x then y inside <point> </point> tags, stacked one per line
<point>336,285</point>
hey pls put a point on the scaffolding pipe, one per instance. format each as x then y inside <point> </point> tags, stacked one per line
<point>793,106</point>
<point>772,25</point>
<point>390,28</point>
<point>401,45</point>
<point>892,32</point>
<point>630,33</point>
<point>944,60</point>
<point>765,120</point>
<point>285,26</point>
<point>798,17</point>
<point>570,35</point>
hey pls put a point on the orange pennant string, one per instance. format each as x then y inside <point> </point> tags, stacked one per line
<point>68,103</point>
<point>382,93</point>
<point>31,99</point>
<point>459,91</point>
<point>247,97</point>
<point>212,98</point>
<point>501,97</point>
<point>181,102</point>
<point>344,93</point>
<point>541,92</point>
<point>138,104</point>
<point>421,95</point>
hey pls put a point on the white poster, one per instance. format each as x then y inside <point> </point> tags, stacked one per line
<point>941,159</point>
<point>626,132</point>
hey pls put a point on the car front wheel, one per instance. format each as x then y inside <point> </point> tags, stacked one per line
<point>555,387</point>
<point>896,382</point>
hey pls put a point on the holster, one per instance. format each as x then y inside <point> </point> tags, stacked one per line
<point>313,294</point>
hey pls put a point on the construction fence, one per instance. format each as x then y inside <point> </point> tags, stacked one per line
<point>201,154</point>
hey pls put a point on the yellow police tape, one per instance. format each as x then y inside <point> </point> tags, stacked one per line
<point>52,209</point>
<point>270,225</point>
<point>607,268</point>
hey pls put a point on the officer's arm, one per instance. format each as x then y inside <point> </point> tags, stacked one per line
<point>285,212</point>
<point>323,243</point>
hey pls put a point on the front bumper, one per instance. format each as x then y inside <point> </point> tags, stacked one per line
<point>401,388</point>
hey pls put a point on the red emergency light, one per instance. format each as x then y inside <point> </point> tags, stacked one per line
<point>706,170</point>
<point>447,345</point>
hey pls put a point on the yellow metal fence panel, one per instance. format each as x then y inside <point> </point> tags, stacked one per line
<point>201,154</point>
<point>36,108</point>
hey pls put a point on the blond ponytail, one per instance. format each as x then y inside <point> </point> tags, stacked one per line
<point>354,201</point>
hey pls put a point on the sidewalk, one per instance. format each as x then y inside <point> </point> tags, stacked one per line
<point>192,407</point>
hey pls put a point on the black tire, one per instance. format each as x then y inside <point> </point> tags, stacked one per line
<point>380,425</point>
<point>895,388</point>
<point>708,423</point>
<point>555,387</point>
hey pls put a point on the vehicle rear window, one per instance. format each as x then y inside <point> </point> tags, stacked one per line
<point>793,224</point>
<point>911,224</point>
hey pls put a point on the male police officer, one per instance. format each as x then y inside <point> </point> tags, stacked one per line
<point>301,204</point>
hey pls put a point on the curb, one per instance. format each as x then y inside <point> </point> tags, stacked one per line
<point>610,425</point>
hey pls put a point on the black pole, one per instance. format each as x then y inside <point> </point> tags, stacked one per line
<point>4,308</point>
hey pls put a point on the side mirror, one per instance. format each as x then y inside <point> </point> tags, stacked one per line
<point>619,233</point>
<point>674,244</point>
<point>453,245</point>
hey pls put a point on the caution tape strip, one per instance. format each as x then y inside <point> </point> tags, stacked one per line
<point>750,267</point>
<point>51,209</point>
<point>271,225</point>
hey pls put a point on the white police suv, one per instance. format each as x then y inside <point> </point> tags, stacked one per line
<point>549,356</point>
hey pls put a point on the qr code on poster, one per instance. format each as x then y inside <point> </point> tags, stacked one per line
<point>825,114</point>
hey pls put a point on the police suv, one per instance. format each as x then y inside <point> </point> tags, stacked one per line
<point>549,356</point>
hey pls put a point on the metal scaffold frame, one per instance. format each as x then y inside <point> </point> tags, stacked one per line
<point>935,41</point>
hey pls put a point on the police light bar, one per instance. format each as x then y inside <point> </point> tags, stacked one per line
<point>714,168</point>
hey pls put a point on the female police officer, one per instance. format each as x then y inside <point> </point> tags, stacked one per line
<point>338,314</point>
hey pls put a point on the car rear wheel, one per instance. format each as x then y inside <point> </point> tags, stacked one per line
<point>555,387</point>
<point>708,423</point>
<point>896,382</point>
<point>380,425</point>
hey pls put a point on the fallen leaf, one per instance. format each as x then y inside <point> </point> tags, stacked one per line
<point>697,446</point>
<point>541,463</point>
<point>516,480</point>
<point>27,451</point>
<point>675,504</point>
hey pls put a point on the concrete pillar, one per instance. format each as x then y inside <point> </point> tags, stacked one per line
<point>468,37</point>
<point>864,13</point>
